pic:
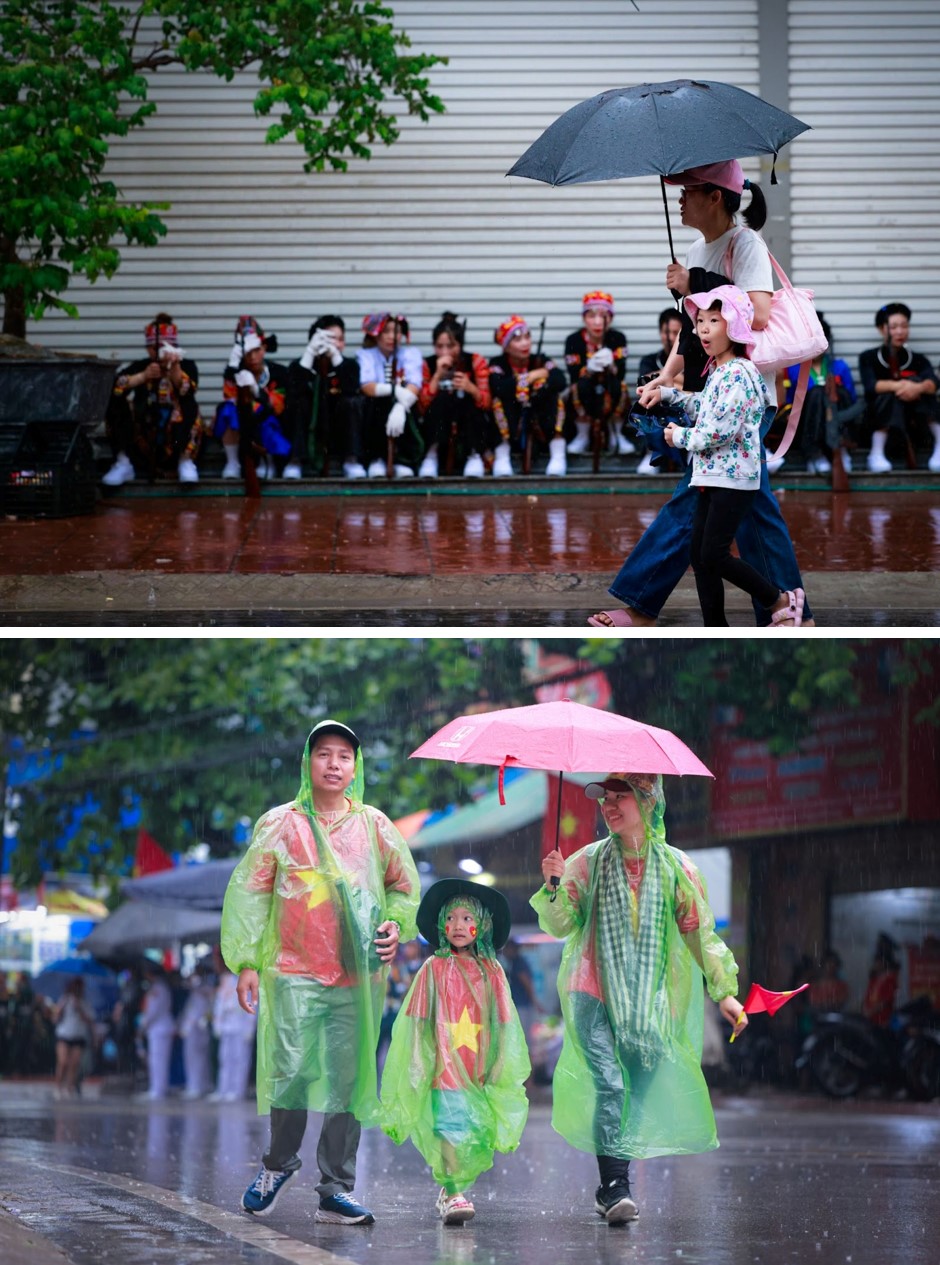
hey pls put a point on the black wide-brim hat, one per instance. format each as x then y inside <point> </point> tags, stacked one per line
<point>439,893</point>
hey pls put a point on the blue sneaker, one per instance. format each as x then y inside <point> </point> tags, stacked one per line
<point>262,1194</point>
<point>342,1209</point>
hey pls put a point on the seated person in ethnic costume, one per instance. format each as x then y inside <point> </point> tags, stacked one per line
<point>153,420</point>
<point>900,390</point>
<point>526,389</point>
<point>324,407</point>
<point>390,376</point>
<point>249,419</point>
<point>454,403</point>
<point>651,365</point>
<point>596,356</point>
<point>830,408</point>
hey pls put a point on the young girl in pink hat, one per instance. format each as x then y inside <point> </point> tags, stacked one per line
<point>724,440</point>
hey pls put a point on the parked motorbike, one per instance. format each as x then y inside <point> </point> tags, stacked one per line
<point>846,1054</point>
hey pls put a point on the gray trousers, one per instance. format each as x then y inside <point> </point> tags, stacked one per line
<point>336,1150</point>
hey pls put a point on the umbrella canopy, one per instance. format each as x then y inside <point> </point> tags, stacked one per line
<point>193,886</point>
<point>566,736</point>
<point>138,925</point>
<point>656,129</point>
<point>101,986</point>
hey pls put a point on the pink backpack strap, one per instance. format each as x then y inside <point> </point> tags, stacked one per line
<point>796,408</point>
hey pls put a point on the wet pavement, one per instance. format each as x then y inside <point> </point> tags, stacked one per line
<point>795,1179</point>
<point>521,553</point>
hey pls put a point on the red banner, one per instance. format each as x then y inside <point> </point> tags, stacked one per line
<point>578,823</point>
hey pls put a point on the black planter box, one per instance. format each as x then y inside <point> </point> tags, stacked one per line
<point>55,387</point>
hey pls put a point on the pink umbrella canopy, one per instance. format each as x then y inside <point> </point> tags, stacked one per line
<point>566,736</point>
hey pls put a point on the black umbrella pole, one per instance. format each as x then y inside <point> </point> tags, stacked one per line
<point>556,880</point>
<point>672,249</point>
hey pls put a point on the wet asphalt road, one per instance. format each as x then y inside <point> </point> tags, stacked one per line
<point>795,1180</point>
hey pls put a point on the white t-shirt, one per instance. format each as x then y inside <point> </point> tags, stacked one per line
<point>374,367</point>
<point>751,268</point>
<point>750,259</point>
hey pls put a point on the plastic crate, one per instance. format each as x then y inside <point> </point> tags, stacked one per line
<point>47,470</point>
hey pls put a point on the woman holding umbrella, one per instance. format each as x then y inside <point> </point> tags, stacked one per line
<point>637,924</point>
<point>710,199</point>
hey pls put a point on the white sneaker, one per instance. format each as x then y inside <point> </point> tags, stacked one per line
<point>232,468</point>
<point>775,463</point>
<point>187,471</point>
<point>819,466</point>
<point>646,465</point>
<point>428,469</point>
<point>502,462</point>
<point>557,461</point>
<point>404,472</point>
<point>376,469</point>
<point>264,468</point>
<point>120,472</point>
<point>581,442</point>
<point>473,467</point>
<point>292,471</point>
<point>846,460</point>
<point>878,464</point>
<point>353,470</point>
<point>624,447</point>
<point>933,465</point>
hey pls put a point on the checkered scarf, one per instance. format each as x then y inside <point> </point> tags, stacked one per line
<point>632,936</point>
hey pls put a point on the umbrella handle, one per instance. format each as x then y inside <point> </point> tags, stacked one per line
<point>672,249</point>
<point>555,880</point>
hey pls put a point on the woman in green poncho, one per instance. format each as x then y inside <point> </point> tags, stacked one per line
<point>312,917</point>
<point>453,1079</point>
<point>639,930</point>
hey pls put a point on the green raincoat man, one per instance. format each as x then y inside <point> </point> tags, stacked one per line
<point>640,935</point>
<point>312,917</point>
<point>455,1072</point>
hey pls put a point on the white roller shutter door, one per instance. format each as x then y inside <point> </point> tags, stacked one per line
<point>429,225</point>
<point>865,212</point>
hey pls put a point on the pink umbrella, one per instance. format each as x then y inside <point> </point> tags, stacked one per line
<point>565,736</point>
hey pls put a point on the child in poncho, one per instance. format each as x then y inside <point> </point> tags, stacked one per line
<point>639,936</point>
<point>725,441</point>
<point>453,1080</point>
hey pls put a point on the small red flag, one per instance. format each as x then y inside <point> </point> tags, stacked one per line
<point>150,857</point>
<point>763,999</point>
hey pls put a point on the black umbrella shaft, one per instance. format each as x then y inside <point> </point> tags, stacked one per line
<point>672,249</point>
<point>555,881</point>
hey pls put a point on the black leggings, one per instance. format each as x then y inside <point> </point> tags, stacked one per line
<point>719,513</point>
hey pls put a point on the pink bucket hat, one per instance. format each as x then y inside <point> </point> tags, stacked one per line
<point>736,308</point>
<point>726,175</point>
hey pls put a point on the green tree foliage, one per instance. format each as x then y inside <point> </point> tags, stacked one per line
<point>74,76</point>
<point>204,732</point>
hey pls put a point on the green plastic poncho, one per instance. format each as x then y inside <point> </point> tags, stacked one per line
<point>302,908</point>
<point>629,1081</point>
<point>453,1079</point>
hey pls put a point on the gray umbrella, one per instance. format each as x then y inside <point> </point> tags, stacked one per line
<point>656,129</point>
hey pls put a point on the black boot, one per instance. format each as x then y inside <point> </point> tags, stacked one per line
<point>612,1199</point>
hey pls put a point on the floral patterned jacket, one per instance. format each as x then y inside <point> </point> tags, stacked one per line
<point>724,437</point>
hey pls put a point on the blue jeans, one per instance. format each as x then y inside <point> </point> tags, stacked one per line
<point>662,555</point>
